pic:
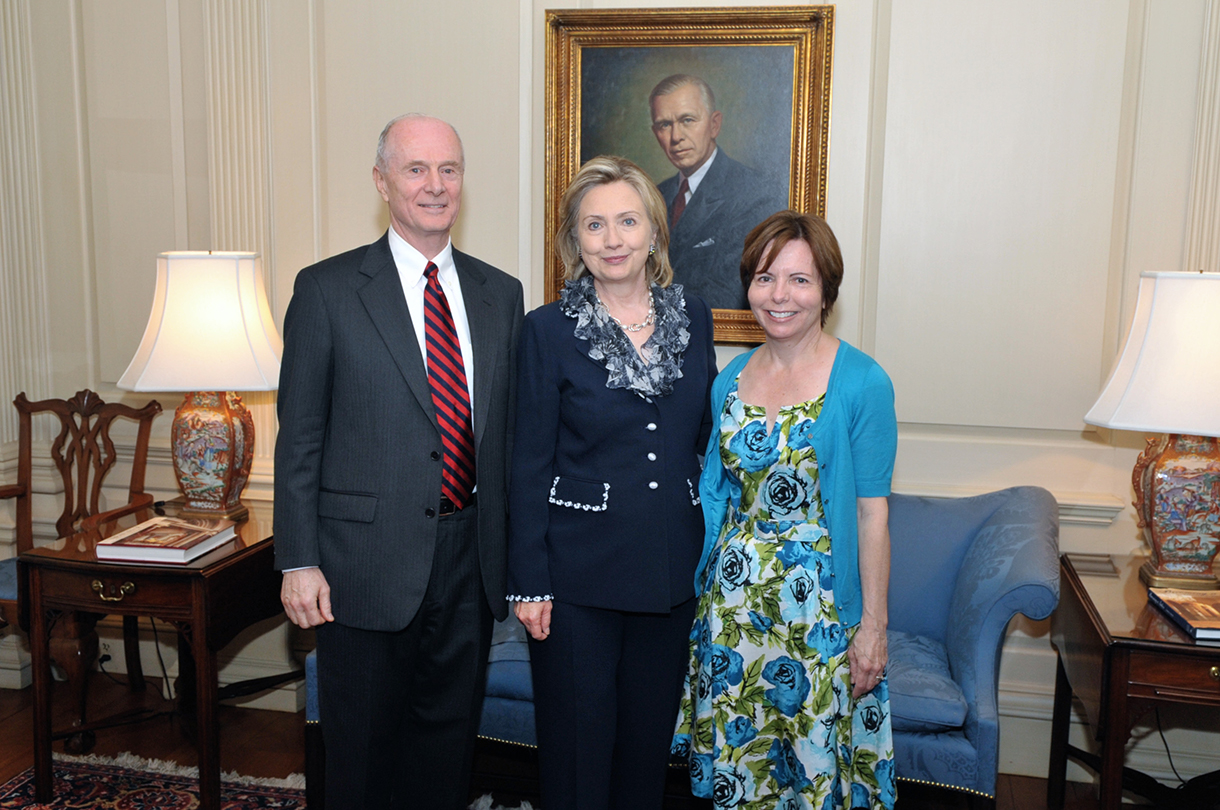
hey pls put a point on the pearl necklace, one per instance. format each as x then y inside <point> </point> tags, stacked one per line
<point>634,327</point>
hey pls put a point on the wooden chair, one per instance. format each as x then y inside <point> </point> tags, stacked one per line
<point>84,454</point>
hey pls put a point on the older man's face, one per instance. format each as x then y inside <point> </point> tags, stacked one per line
<point>685,128</point>
<point>422,181</point>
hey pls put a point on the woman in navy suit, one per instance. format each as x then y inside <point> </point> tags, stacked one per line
<point>605,524</point>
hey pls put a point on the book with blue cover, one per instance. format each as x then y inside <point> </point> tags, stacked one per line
<point>1196,612</point>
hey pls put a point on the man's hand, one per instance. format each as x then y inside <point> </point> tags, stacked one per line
<point>536,616</point>
<point>306,597</point>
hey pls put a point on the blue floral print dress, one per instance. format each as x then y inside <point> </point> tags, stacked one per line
<point>767,716</point>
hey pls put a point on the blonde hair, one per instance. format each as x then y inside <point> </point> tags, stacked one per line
<point>603,170</point>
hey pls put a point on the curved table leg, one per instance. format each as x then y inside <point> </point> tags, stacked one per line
<point>1056,775</point>
<point>74,647</point>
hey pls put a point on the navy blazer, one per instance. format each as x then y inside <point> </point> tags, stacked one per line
<point>604,498</point>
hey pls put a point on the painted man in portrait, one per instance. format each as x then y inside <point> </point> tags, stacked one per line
<point>713,200</point>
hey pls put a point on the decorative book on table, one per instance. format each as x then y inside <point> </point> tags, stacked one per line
<point>1196,612</point>
<point>167,540</point>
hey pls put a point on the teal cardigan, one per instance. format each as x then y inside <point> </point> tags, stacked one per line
<point>855,439</point>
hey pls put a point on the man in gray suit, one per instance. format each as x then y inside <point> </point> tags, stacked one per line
<point>390,488</point>
<point>713,200</point>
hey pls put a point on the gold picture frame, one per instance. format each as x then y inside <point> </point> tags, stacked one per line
<point>742,50</point>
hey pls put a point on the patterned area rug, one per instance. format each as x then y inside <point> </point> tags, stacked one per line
<point>134,783</point>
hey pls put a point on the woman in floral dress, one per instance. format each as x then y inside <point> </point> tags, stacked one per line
<point>786,703</point>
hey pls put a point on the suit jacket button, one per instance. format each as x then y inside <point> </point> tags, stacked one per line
<point>652,484</point>
<point>429,512</point>
<point>651,426</point>
<point>435,456</point>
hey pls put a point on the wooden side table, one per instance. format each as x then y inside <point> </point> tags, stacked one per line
<point>209,601</point>
<point>1122,657</point>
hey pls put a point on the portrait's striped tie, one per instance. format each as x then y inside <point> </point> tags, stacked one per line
<point>450,396</point>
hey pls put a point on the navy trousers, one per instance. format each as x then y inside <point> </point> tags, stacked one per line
<point>606,689</point>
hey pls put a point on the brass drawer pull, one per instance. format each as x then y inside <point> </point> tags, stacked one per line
<point>1215,673</point>
<point>126,589</point>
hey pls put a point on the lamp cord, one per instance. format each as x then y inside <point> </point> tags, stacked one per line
<point>1165,743</point>
<point>165,684</point>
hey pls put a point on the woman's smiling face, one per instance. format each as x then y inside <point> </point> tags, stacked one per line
<point>614,232</point>
<point>786,299</point>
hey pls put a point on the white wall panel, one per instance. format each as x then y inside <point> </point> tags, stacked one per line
<point>132,176</point>
<point>1001,139</point>
<point>1161,170</point>
<point>457,61</point>
<point>24,322</point>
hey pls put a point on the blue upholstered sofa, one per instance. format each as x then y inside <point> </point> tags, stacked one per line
<point>962,568</point>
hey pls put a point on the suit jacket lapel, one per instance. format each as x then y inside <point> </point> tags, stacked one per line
<point>480,315</point>
<point>706,200</point>
<point>386,304</point>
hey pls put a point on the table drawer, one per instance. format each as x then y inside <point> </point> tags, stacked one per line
<point>120,592</point>
<point>1169,676</point>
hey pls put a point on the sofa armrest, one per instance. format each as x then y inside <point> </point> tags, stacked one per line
<point>1011,567</point>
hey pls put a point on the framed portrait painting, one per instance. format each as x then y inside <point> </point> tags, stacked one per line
<point>726,109</point>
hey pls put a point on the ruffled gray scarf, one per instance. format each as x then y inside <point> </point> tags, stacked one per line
<point>610,346</point>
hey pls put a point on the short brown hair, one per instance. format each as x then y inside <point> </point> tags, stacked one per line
<point>778,230</point>
<point>600,171</point>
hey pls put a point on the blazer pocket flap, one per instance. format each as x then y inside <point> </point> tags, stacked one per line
<point>347,506</point>
<point>578,493</point>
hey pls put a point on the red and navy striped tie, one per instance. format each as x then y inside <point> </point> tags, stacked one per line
<point>450,396</point>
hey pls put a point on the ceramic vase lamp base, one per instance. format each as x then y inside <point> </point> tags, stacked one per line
<point>1177,501</point>
<point>213,448</point>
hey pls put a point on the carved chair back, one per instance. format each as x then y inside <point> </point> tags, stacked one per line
<point>83,453</point>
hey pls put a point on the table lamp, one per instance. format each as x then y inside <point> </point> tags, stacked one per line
<point>210,333</point>
<point>1168,381</point>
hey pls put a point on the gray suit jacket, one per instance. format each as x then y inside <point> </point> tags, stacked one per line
<point>705,248</point>
<point>357,469</point>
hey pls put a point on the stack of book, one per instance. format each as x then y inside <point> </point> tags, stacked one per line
<point>1196,612</point>
<point>167,540</point>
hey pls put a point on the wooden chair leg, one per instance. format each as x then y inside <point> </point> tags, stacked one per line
<point>131,651</point>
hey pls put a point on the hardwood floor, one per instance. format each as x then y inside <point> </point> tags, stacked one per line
<point>252,742</point>
<point>265,743</point>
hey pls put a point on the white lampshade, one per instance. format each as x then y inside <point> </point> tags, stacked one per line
<point>210,328</point>
<point>1168,377</point>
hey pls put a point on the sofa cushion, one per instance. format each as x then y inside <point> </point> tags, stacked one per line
<point>508,641</point>
<point>508,662</point>
<point>312,714</point>
<point>8,579</point>
<point>923,695</point>
<point>508,703</point>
